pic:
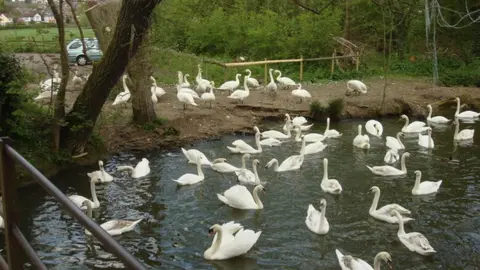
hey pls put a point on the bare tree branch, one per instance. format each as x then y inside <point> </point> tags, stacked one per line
<point>316,11</point>
<point>82,37</point>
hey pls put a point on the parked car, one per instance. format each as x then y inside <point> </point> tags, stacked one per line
<point>75,51</point>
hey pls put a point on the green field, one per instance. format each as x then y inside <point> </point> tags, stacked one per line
<point>46,39</point>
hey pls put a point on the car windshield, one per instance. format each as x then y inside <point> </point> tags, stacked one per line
<point>89,43</point>
<point>75,45</point>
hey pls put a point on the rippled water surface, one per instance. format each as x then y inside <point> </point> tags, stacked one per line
<point>174,233</point>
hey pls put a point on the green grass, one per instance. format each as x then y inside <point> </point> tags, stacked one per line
<point>21,40</point>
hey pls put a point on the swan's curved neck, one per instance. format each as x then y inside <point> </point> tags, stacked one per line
<point>375,202</point>
<point>279,74</point>
<point>275,164</point>
<point>245,85</point>
<point>328,125</point>
<point>199,169</point>
<point>254,167</point>
<point>376,263</point>
<point>271,76</point>
<point>430,139</point>
<point>244,158</point>
<point>218,241</point>
<point>255,193</point>
<point>429,112</point>
<point>297,136</point>
<point>404,167</point>
<point>417,181</point>
<point>398,139</point>
<point>257,141</point>
<point>458,107</point>
<point>125,88</point>
<point>407,122</point>
<point>185,78</point>
<point>325,171</point>
<point>360,130</point>
<point>322,216</point>
<point>302,150</point>
<point>456,129</point>
<point>199,74</point>
<point>249,73</point>
<point>94,193</point>
<point>401,229</point>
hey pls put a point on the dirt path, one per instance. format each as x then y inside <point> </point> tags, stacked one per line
<point>183,127</point>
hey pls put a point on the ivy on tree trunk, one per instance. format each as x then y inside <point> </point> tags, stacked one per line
<point>133,23</point>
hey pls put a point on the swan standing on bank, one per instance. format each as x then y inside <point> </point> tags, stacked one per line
<point>284,81</point>
<point>329,185</point>
<point>114,226</point>
<point>301,93</point>
<point>414,127</point>
<point>185,83</point>
<point>244,148</point>
<point>101,174</point>
<point>464,114</point>
<point>426,140</point>
<point>414,241</point>
<point>220,165</point>
<point>185,98</point>
<point>208,96</point>
<point>159,92</point>
<point>316,220</point>
<point>331,133</point>
<point>387,170</point>
<point>271,87</point>
<point>361,141</point>
<point>464,135</point>
<point>425,187</point>
<point>239,197</point>
<point>356,87</point>
<point>141,170</point>
<point>192,154</point>
<point>348,262</point>
<point>225,245</point>
<point>231,85</point>
<point>78,200</point>
<point>124,96</point>
<point>385,212</point>
<point>190,178</point>
<point>436,119</point>
<point>374,128</point>
<point>252,82</point>
<point>395,143</point>
<point>241,94</point>
<point>391,156</point>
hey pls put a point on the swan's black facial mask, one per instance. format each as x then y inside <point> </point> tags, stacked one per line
<point>210,232</point>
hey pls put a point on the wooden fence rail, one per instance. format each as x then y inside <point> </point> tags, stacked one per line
<point>300,60</point>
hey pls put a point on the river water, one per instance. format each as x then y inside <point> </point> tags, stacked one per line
<point>174,232</point>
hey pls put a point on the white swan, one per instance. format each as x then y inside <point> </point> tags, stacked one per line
<point>414,241</point>
<point>277,134</point>
<point>252,82</point>
<point>385,212</point>
<point>395,143</point>
<point>208,96</point>
<point>331,133</point>
<point>185,82</point>
<point>348,262</point>
<point>299,121</point>
<point>188,91</point>
<point>464,135</point>
<point>239,197</point>
<point>245,175</point>
<point>78,200</point>
<point>356,87</point>
<point>361,141</point>
<point>46,95</point>
<point>225,245</point>
<point>154,96</point>
<point>291,163</point>
<point>190,178</point>
<point>425,187</point>
<point>374,127</point>
<point>231,85</point>
<point>114,226</point>
<point>271,86</point>
<point>426,140</point>
<point>244,148</point>
<point>301,93</point>
<point>101,174</point>
<point>141,170</point>
<point>270,142</point>
<point>192,154</point>
<point>387,170</point>
<point>311,148</point>
<point>76,79</point>
<point>414,127</point>
<point>55,81</point>
<point>464,114</point>
<point>285,81</point>
<point>159,92</point>
<point>124,96</point>
<point>201,83</point>
<point>316,220</point>
<point>241,94</point>
<point>329,185</point>
<point>186,99</point>
<point>436,119</point>
<point>310,137</point>
<point>220,165</point>
<point>391,156</point>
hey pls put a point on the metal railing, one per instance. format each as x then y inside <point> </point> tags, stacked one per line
<point>17,246</point>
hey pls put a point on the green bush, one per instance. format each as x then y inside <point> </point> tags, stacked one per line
<point>463,77</point>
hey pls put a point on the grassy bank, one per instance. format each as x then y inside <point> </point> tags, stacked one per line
<point>46,38</point>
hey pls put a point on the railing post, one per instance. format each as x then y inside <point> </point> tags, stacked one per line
<point>301,69</point>
<point>265,73</point>
<point>8,183</point>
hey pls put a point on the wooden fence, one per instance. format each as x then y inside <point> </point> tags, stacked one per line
<point>300,60</point>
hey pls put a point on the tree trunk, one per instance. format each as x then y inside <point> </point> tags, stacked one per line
<point>59,112</point>
<point>140,70</point>
<point>132,25</point>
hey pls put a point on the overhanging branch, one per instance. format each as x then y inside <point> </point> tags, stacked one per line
<point>316,11</point>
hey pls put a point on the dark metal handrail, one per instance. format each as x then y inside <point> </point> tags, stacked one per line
<point>15,241</point>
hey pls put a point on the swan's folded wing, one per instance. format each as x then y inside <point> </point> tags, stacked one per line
<point>245,176</point>
<point>240,144</point>
<point>125,168</point>
<point>420,240</point>
<point>313,216</point>
<point>361,264</point>
<point>231,227</point>
<point>243,242</point>
<point>239,195</point>
<point>388,208</point>
<point>292,161</point>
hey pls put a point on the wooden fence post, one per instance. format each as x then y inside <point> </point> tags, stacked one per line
<point>301,69</point>
<point>332,69</point>
<point>265,69</point>
<point>15,255</point>
<point>358,60</point>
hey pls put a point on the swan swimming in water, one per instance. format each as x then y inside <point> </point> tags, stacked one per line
<point>425,187</point>
<point>391,156</point>
<point>426,140</point>
<point>395,143</point>
<point>316,220</point>
<point>329,185</point>
<point>142,169</point>
<point>230,241</point>
<point>348,262</point>
<point>436,119</point>
<point>239,197</point>
<point>361,141</point>
<point>101,175</point>
<point>387,170</point>
<point>414,241</point>
<point>385,212</point>
<point>414,127</point>
<point>374,127</point>
<point>190,178</point>
<point>464,114</point>
<point>192,154</point>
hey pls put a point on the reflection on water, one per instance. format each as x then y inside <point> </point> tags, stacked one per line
<point>173,234</point>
